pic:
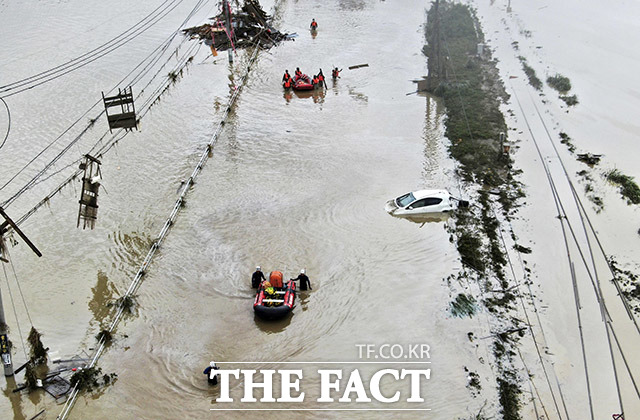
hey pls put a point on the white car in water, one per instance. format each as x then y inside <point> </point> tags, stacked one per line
<point>421,202</point>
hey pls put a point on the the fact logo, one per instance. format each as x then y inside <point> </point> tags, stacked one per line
<point>371,381</point>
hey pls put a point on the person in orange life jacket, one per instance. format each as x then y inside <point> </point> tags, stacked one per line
<point>298,72</point>
<point>315,81</point>
<point>286,76</point>
<point>212,379</point>
<point>304,280</point>
<point>321,79</point>
<point>314,25</point>
<point>256,277</point>
<point>335,73</point>
<point>287,84</point>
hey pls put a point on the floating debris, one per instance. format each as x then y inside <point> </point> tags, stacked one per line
<point>589,158</point>
<point>249,27</point>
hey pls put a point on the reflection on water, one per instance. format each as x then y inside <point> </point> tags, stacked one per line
<point>317,94</point>
<point>14,398</point>
<point>425,218</point>
<point>360,97</point>
<point>102,294</point>
<point>433,136</point>
<point>274,326</point>
<point>292,183</point>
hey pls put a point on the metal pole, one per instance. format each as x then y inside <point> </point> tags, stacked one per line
<point>5,350</point>
<point>227,23</point>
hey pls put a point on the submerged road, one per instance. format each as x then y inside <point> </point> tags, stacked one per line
<point>295,181</point>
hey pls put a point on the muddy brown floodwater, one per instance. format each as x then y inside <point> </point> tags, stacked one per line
<point>295,181</point>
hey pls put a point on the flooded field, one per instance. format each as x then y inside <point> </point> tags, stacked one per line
<point>295,181</point>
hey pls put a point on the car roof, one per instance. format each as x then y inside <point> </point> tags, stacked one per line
<point>420,194</point>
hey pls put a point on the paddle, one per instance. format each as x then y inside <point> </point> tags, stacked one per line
<point>323,81</point>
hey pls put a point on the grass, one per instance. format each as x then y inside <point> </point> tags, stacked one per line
<point>472,96</point>
<point>566,140</point>
<point>463,305</point>
<point>470,249</point>
<point>531,74</point>
<point>509,399</point>
<point>474,120</point>
<point>570,100</point>
<point>522,249</point>
<point>560,83</point>
<point>628,187</point>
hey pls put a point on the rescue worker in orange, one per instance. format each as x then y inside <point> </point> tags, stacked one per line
<point>314,25</point>
<point>335,73</point>
<point>286,76</point>
<point>321,79</point>
<point>287,83</point>
<point>298,73</point>
<point>316,81</point>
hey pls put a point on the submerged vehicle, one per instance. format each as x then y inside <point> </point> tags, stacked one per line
<point>274,300</point>
<point>423,202</point>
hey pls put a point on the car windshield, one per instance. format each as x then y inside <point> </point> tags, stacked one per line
<point>405,200</point>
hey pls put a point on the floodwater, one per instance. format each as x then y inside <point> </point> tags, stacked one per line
<point>294,182</point>
<point>562,38</point>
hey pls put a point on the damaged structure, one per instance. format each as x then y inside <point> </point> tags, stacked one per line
<point>249,26</point>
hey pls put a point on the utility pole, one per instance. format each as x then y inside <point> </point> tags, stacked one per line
<point>227,24</point>
<point>5,349</point>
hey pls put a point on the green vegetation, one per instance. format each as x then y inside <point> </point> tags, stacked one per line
<point>470,249</point>
<point>104,335</point>
<point>560,83</point>
<point>30,377</point>
<point>89,378</point>
<point>531,74</point>
<point>566,140</point>
<point>471,92</point>
<point>474,121</point>
<point>463,305</point>
<point>629,282</point>
<point>38,353</point>
<point>509,399</point>
<point>628,188</point>
<point>127,302</point>
<point>570,100</point>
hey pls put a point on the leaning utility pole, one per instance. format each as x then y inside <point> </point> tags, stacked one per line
<point>5,349</point>
<point>227,24</point>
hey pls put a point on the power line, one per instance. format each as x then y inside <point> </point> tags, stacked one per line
<point>163,232</point>
<point>158,51</point>
<point>6,136</point>
<point>98,52</point>
<point>15,313</point>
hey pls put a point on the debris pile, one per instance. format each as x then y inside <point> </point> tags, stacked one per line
<point>249,26</point>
